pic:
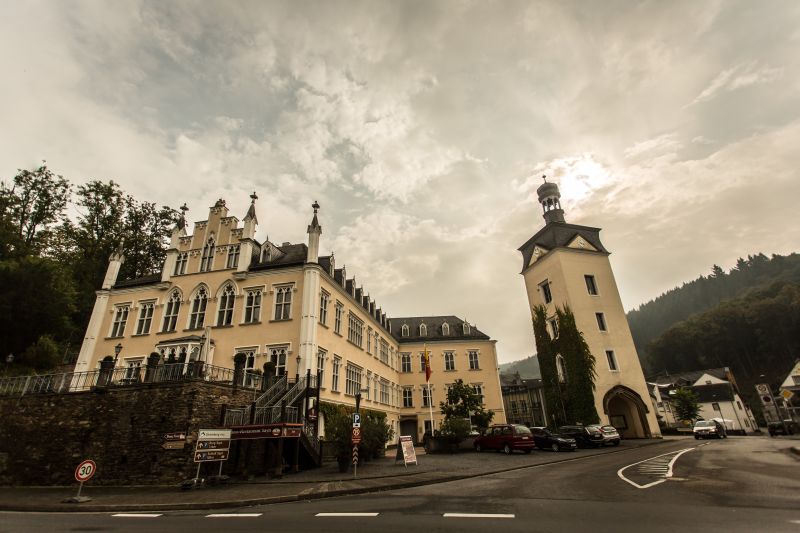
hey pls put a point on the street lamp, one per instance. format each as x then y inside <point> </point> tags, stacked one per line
<point>297,374</point>
<point>117,349</point>
<point>9,360</point>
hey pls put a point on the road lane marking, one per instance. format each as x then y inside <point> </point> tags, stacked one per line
<point>346,514</point>
<point>136,515</point>
<point>234,515</point>
<point>477,515</point>
<point>667,472</point>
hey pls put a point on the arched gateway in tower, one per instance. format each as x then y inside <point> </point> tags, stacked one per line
<point>566,264</point>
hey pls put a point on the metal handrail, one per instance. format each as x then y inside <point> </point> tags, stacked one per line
<point>271,393</point>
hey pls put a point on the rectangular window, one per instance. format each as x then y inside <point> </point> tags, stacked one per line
<point>384,351</point>
<point>145,318</point>
<point>601,321</point>
<point>375,388</point>
<point>120,318</point>
<point>405,363</point>
<point>133,370</point>
<point>352,383</point>
<point>207,259</point>
<point>283,302</point>
<point>612,360</point>
<point>449,361</point>
<point>369,341</point>
<point>355,330</point>
<point>473,360</point>
<point>337,319</point>
<point>252,306</point>
<point>408,397</point>
<point>523,406</point>
<point>513,408</point>
<point>180,263</point>
<point>546,292</point>
<point>337,363</point>
<point>591,286</point>
<point>384,392</point>
<point>278,356</point>
<point>321,356</point>
<point>478,388</point>
<point>422,362</point>
<point>324,300</point>
<point>739,404</point>
<point>554,327</point>
<point>426,397</point>
<point>233,256</point>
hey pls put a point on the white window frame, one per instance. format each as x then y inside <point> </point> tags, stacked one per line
<point>337,319</point>
<point>253,309</point>
<point>226,305</point>
<point>476,365</point>
<point>180,263</point>
<point>197,311</point>
<point>408,397</point>
<point>172,308</point>
<point>405,363</point>
<point>337,364</point>
<point>279,355</point>
<point>233,256</point>
<point>283,296</point>
<point>324,300</point>
<point>207,255</point>
<point>354,376</point>
<point>611,359</point>
<point>322,356</point>
<point>427,396</point>
<point>118,324</point>
<point>449,361</point>
<point>145,321</point>
<point>423,330</point>
<point>404,331</point>
<point>445,329</point>
<point>355,329</point>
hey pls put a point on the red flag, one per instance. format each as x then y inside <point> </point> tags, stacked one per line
<point>427,356</point>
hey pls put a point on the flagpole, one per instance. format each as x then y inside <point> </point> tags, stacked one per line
<point>427,381</point>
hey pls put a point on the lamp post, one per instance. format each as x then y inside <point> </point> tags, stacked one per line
<point>9,360</point>
<point>297,374</point>
<point>117,349</point>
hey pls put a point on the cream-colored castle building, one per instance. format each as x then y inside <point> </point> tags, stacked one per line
<point>567,264</point>
<point>222,292</point>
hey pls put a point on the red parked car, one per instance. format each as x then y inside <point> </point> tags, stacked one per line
<point>506,437</point>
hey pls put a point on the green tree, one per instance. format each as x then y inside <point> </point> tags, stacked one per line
<point>29,208</point>
<point>685,403</point>
<point>464,403</point>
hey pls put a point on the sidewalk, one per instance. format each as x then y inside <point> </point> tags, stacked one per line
<point>324,482</point>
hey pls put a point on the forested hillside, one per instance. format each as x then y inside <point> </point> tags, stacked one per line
<point>51,264</point>
<point>654,318</point>
<point>755,335</point>
<point>528,368</point>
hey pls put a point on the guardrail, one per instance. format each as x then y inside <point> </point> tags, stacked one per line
<point>122,377</point>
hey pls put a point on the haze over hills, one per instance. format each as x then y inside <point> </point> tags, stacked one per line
<point>528,368</point>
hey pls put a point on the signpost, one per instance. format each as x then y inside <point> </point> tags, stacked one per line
<point>768,401</point>
<point>405,450</point>
<point>174,441</point>
<point>83,472</point>
<point>212,445</point>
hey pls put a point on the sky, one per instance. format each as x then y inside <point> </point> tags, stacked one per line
<point>423,129</point>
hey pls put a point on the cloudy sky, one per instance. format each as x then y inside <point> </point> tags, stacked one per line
<point>423,128</point>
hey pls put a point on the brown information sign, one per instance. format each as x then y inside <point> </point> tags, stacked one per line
<point>175,435</point>
<point>210,455</point>
<point>173,444</point>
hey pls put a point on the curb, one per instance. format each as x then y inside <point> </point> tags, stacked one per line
<point>228,504</point>
<point>795,450</point>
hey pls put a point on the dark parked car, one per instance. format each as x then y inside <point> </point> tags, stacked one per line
<point>547,440</point>
<point>585,436</point>
<point>785,427</point>
<point>506,437</point>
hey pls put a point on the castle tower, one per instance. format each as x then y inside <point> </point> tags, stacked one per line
<point>311,293</point>
<point>567,264</point>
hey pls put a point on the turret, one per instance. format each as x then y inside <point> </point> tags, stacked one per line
<point>550,199</point>
<point>247,241</point>
<point>114,264</point>
<point>314,231</point>
<point>178,232</point>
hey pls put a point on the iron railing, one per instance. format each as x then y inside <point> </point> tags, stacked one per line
<point>272,393</point>
<point>121,377</point>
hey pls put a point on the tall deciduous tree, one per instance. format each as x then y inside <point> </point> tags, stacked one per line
<point>685,402</point>
<point>464,403</point>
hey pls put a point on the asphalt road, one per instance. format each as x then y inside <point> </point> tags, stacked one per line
<point>749,484</point>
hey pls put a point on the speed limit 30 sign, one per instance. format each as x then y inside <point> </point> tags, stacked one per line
<point>85,470</point>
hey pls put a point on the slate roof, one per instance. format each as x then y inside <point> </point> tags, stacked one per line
<point>137,282</point>
<point>559,235</point>
<point>294,254</point>
<point>719,392</point>
<point>434,325</point>
<point>687,378</point>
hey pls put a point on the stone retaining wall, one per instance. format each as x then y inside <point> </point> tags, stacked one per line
<point>43,437</point>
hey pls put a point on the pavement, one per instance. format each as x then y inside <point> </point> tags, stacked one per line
<point>373,476</point>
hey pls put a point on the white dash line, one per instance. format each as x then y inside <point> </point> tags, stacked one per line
<point>234,515</point>
<point>136,515</point>
<point>477,515</point>
<point>346,514</point>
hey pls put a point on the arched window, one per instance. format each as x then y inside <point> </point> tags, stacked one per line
<point>423,330</point>
<point>404,332</point>
<point>465,326</point>
<point>561,369</point>
<point>171,311</point>
<point>445,329</point>
<point>198,314</point>
<point>225,312</point>
<point>207,260</point>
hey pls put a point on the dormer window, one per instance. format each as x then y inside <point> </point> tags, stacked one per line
<point>466,328</point>
<point>404,330</point>
<point>445,329</point>
<point>423,330</point>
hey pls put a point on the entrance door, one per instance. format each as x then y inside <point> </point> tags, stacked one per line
<point>409,427</point>
<point>626,413</point>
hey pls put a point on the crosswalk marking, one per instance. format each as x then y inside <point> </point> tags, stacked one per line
<point>346,514</point>
<point>659,466</point>
<point>477,515</point>
<point>136,515</point>
<point>234,515</point>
